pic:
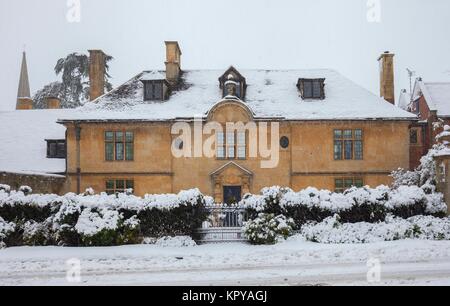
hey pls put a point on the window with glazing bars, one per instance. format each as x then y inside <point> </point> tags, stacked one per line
<point>119,146</point>
<point>348,144</point>
<point>233,146</point>
<point>342,184</point>
<point>115,186</point>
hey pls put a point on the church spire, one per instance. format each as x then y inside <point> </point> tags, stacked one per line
<point>23,94</point>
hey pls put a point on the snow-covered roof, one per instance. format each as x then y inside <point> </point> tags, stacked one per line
<point>22,141</point>
<point>404,100</point>
<point>437,95</point>
<point>153,75</point>
<point>270,93</point>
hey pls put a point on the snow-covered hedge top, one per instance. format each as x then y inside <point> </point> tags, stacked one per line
<point>337,202</point>
<point>72,200</point>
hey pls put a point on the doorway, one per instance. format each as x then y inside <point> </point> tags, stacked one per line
<point>232,194</point>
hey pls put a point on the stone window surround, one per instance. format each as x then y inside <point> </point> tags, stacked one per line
<point>114,142</point>
<point>347,186</point>
<point>127,184</point>
<point>342,140</point>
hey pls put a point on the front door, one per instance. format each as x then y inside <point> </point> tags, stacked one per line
<point>232,194</point>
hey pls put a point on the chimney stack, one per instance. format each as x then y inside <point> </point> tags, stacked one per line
<point>173,62</point>
<point>53,102</point>
<point>387,89</point>
<point>96,74</point>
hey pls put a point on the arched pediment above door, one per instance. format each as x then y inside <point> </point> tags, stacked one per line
<point>230,175</point>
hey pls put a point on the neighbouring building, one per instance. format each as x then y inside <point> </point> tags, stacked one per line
<point>431,103</point>
<point>333,134</point>
<point>443,164</point>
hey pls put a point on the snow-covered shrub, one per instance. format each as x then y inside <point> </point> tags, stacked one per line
<point>354,205</point>
<point>98,227</point>
<point>5,188</point>
<point>88,219</point>
<point>182,218</point>
<point>16,206</point>
<point>6,229</point>
<point>37,233</point>
<point>175,242</point>
<point>89,192</point>
<point>268,229</point>
<point>424,176</point>
<point>26,190</point>
<point>333,231</point>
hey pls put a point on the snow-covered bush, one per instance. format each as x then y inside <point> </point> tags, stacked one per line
<point>88,219</point>
<point>17,206</point>
<point>106,227</point>
<point>37,233</point>
<point>5,188</point>
<point>424,176</point>
<point>26,190</point>
<point>354,205</point>
<point>6,228</point>
<point>333,231</point>
<point>268,229</point>
<point>175,242</point>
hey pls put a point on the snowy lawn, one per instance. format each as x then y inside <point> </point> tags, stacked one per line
<point>295,262</point>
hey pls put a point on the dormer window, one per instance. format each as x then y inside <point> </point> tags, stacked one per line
<point>156,90</point>
<point>233,84</point>
<point>232,88</point>
<point>311,88</point>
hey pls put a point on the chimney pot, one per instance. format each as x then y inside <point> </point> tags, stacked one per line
<point>96,74</point>
<point>53,102</point>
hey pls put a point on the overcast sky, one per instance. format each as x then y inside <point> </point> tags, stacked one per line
<point>292,34</point>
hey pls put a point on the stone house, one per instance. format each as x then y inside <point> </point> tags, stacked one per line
<point>324,130</point>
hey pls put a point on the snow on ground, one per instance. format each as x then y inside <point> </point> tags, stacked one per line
<point>294,262</point>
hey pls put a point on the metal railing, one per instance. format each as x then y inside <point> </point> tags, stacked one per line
<point>225,224</point>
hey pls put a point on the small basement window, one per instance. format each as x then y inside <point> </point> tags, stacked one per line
<point>56,149</point>
<point>311,88</point>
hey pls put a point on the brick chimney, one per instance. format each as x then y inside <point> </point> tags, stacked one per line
<point>173,62</point>
<point>387,89</point>
<point>53,102</point>
<point>96,74</point>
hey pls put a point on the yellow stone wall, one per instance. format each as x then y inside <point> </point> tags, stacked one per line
<point>309,160</point>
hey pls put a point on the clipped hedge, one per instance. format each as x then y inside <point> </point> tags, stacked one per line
<point>355,205</point>
<point>333,231</point>
<point>96,220</point>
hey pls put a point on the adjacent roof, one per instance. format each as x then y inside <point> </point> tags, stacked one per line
<point>270,93</point>
<point>23,148</point>
<point>436,94</point>
<point>405,100</point>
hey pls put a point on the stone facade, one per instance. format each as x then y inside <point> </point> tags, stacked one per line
<point>308,161</point>
<point>39,183</point>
